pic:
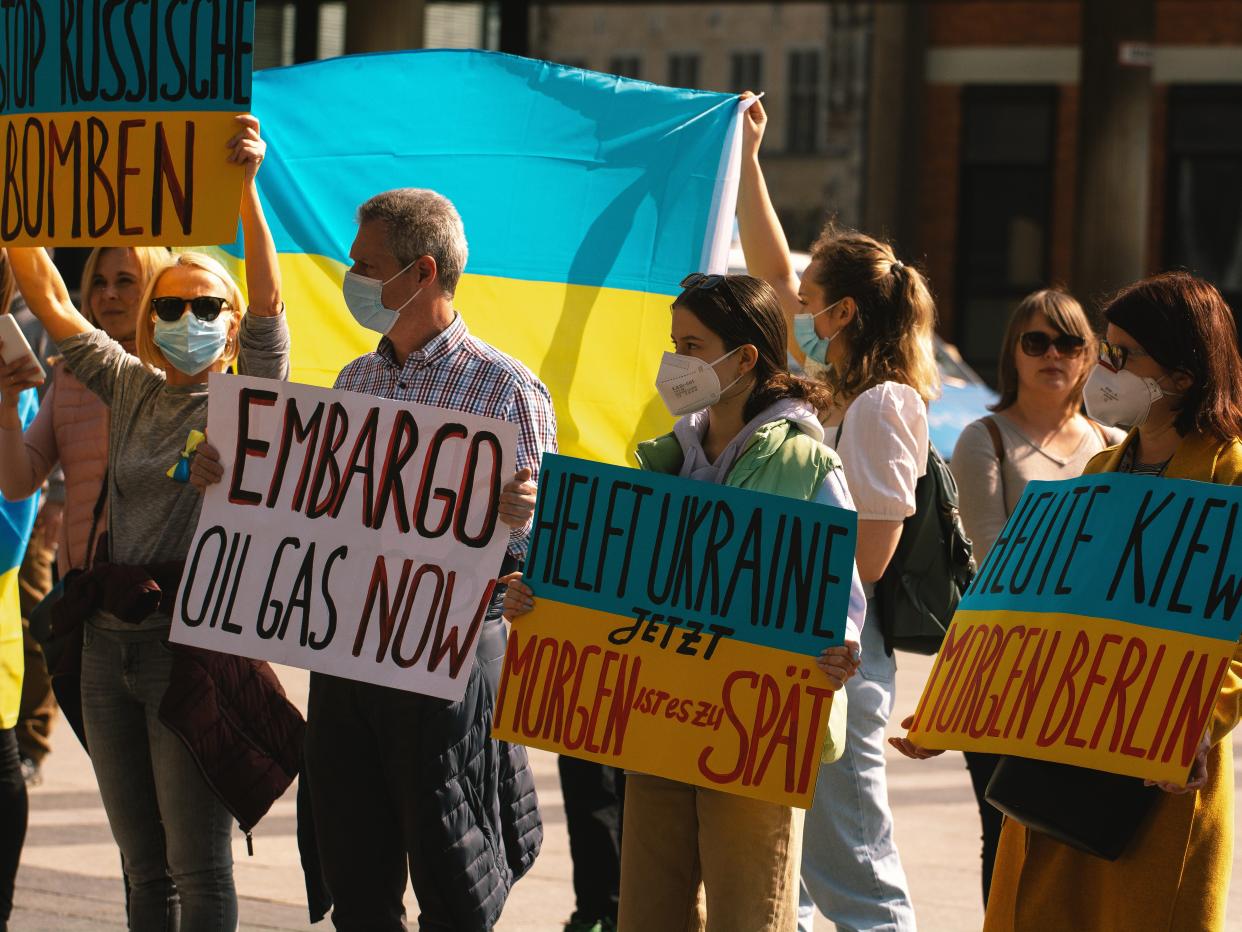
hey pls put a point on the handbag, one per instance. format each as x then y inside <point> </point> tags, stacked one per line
<point>1090,810</point>
<point>62,644</point>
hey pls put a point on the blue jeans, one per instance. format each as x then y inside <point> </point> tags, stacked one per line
<point>850,866</point>
<point>174,834</point>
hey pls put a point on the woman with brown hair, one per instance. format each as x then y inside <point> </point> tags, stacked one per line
<point>862,319</point>
<point>743,421</point>
<point>1169,370</point>
<point>1037,432</point>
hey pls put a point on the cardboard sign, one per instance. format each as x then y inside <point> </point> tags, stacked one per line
<point>351,535</point>
<point>1098,630</point>
<point>675,629</point>
<point>114,119</point>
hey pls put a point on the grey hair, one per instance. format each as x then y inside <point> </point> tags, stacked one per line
<point>420,222</point>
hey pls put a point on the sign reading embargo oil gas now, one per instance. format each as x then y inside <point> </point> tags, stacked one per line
<point>675,629</point>
<point>351,535</point>
<point>1099,629</point>
<point>114,117</point>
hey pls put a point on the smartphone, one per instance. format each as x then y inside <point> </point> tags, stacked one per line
<point>15,345</point>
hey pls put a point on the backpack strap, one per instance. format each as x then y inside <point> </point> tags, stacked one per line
<point>1099,429</point>
<point>998,444</point>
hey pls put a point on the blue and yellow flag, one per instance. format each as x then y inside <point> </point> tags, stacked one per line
<point>16,522</point>
<point>586,198</point>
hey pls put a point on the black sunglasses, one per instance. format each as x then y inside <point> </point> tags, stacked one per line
<point>701,280</point>
<point>1036,343</point>
<point>205,307</point>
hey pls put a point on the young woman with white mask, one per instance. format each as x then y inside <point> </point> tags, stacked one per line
<point>744,421</point>
<point>173,830</point>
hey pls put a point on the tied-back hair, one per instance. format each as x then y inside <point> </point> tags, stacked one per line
<point>1066,316</point>
<point>1185,325</point>
<point>891,333</point>
<point>144,336</point>
<point>741,310</point>
<point>150,260</point>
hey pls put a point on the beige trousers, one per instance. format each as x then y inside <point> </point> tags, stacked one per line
<point>693,858</point>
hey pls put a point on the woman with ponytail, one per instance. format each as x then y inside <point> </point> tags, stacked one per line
<point>862,321</point>
<point>743,421</point>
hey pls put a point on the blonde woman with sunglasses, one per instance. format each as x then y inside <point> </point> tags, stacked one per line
<point>173,828</point>
<point>1038,431</point>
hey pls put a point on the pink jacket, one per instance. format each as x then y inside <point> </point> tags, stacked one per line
<point>71,428</point>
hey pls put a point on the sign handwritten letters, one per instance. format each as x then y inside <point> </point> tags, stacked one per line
<point>1099,629</point>
<point>114,116</point>
<point>675,629</point>
<point>351,535</point>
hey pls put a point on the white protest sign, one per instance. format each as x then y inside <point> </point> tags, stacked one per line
<point>350,535</point>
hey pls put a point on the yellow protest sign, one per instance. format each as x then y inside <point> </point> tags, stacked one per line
<point>114,119</point>
<point>1098,631</point>
<point>675,629</point>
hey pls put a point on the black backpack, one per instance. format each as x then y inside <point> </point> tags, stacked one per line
<point>930,569</point>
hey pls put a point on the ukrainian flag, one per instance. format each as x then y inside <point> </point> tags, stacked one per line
<point>586,198</point>
<point>16,522</point>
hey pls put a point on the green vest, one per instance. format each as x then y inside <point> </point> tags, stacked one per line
<point>779,458</point>
<point>782,460</point>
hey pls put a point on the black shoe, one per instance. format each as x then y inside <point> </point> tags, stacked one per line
<point>31,771</point>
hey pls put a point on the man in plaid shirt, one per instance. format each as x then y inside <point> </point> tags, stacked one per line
<point>390,778</point>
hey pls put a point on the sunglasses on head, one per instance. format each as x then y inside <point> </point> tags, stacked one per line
<point>205,307</point>
<point>701,280</point>
<point>1115,356</point>
<point>1036,343</point>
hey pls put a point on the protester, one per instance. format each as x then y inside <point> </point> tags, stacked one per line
<point>594,798</point>
<point>1169,368</point>
<point>389,770</point>
<point>160,750</point>
<point>1037,432</point>
<point>863,320</point>
<point>743,420</point>
<point>37,712</point>
<point>70,433</point>
<point>13,800</point>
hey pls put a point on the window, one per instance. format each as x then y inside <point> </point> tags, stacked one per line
<point>804,101</point>
<point>746,72</point>
<point>626,66</point>
<point>683,70</point>
<point>1006,189</point>
<point>1203,203</point>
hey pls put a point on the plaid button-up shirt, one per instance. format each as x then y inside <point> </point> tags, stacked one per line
<point>455,370</point>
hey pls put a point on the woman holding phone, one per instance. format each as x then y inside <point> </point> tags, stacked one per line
<point>174,831</point>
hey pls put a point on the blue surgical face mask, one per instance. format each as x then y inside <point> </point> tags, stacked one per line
<point>811,343</point>
<point>190,344</point>
<point>365,299</point>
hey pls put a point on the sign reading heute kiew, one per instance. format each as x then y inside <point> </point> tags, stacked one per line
<point>350,535</point>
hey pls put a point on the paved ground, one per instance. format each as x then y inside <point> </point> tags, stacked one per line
<point>69,879</point>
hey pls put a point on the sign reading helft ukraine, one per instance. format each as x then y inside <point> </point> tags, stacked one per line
<point>675,629</point>
<point>1099,629</point>
<point>585,197</point>
<point>115,118</point>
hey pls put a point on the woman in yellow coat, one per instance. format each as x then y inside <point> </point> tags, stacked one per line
<point>1170,369</point>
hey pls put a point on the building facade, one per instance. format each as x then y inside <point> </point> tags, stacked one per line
<point>811,60</point>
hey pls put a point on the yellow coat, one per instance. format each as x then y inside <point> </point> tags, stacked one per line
<point>1175,876</point>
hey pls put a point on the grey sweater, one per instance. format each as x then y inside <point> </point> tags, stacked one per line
<point>152,518</point>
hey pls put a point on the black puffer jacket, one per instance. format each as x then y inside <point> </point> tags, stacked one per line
<point>481,830</point>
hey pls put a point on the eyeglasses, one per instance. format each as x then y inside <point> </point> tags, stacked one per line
<point>204,307</point>
<point>1036,343</point>
<point>701,280</point>
<point>1115,356</point>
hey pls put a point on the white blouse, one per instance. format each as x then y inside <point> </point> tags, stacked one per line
<point>883,446</point>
